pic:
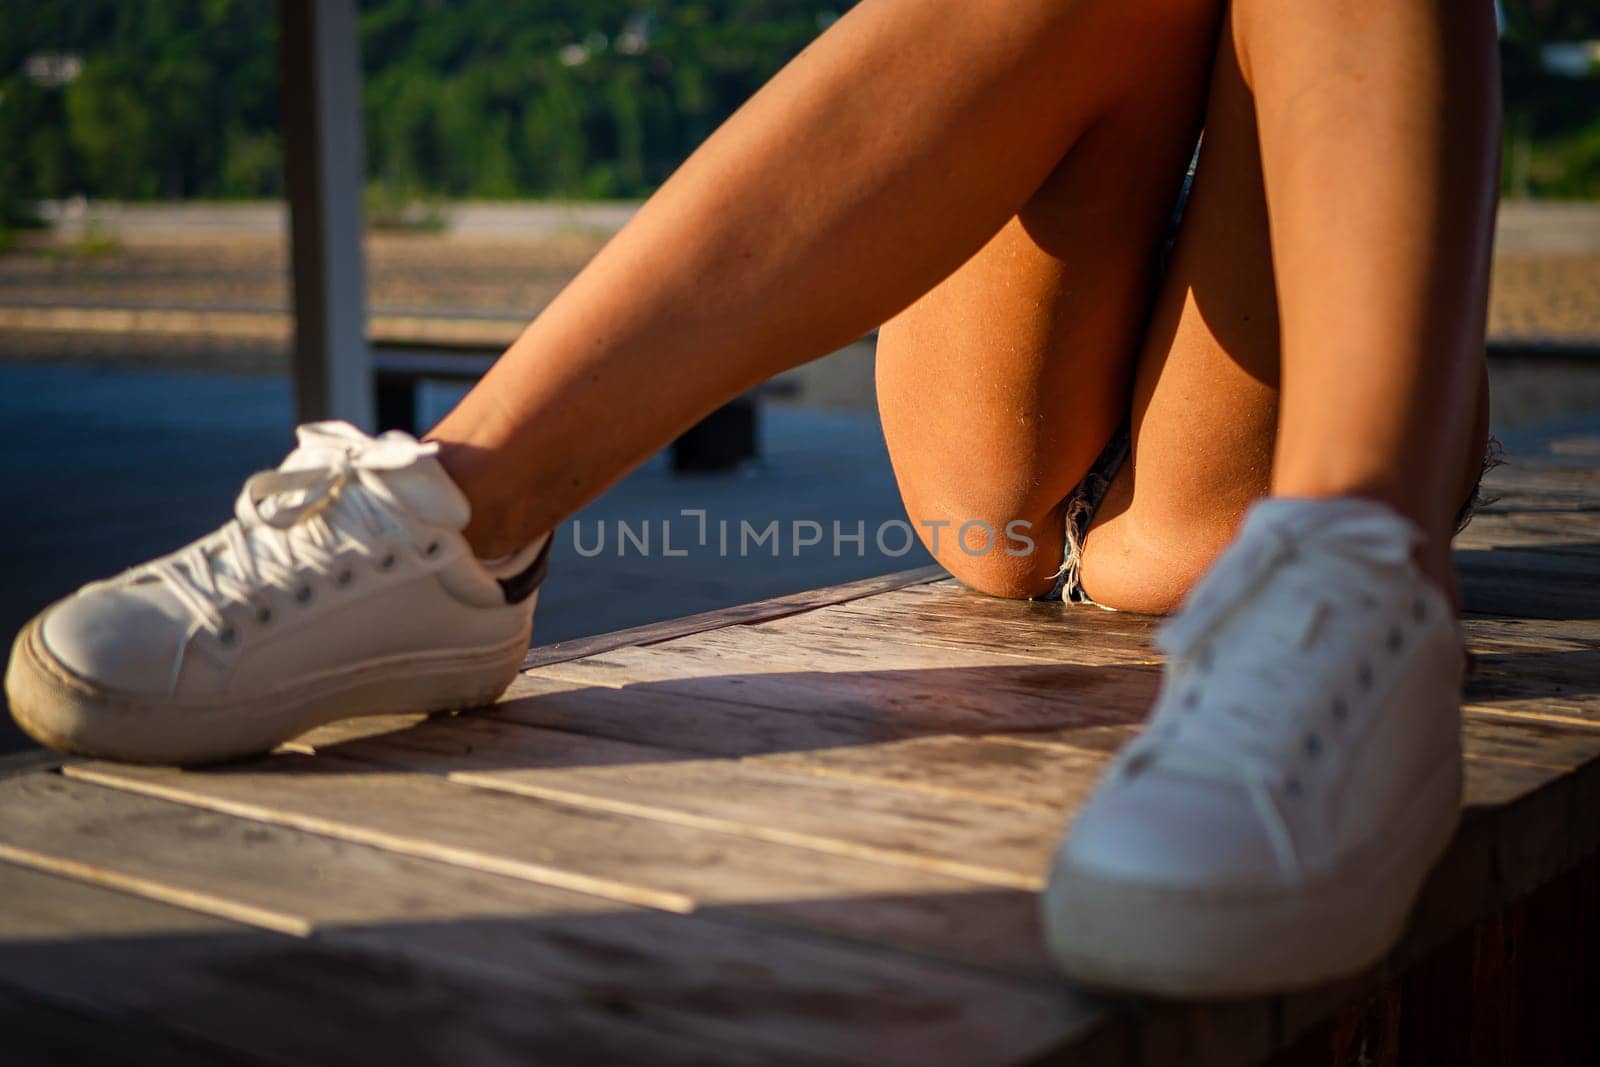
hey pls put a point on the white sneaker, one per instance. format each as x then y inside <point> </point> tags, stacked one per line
<point>342,587</point>
<point>1300,774</point>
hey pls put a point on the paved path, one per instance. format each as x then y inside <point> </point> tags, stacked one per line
<point>208,220</point>
<point>1525,226</point>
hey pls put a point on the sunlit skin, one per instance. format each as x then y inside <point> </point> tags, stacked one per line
<point>993,182</point>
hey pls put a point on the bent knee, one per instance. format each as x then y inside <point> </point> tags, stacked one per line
<point>1136,563</point>
<point>994,550</point>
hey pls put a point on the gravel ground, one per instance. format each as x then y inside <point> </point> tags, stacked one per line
<point>513,259</point>
<point>1545,296</point>
<point>421,272</point>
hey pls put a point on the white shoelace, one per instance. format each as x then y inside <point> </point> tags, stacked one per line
<point>1249,722</point>
<point>291,523</point>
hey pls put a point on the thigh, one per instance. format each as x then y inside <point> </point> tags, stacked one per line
<point>1000,386</point>
<point>1205,390</point>
<point>1204,406</point>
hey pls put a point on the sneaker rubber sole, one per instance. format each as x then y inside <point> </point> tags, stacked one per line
<point>68,713</point>
<point>1124,937</point>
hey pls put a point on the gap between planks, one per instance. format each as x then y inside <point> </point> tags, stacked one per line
<point>646,863</point>
<point>768,984</point>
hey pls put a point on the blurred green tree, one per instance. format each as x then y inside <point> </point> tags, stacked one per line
<point>484,98</point>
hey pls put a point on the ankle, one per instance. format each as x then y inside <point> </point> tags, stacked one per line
<point>1434,560</point>
<point>1432,554</point>
<point>497,542</point>
<point>1419,500</point>
<point>497,526</point>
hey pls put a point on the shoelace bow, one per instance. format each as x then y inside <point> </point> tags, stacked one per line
<point>301,517</point>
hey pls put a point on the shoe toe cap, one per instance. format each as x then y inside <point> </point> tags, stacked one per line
<point>1170,832</point>
<point>124,639</point>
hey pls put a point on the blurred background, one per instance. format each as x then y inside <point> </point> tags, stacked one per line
<point>145,282</point>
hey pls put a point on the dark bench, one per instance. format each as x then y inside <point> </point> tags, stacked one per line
<point>722,440</point>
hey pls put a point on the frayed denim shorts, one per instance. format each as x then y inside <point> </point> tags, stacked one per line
<point>1091,491</point>
<point>1087,497</point>
<point>1081,507</point>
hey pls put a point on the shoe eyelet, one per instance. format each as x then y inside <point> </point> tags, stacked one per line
<point>303,594</point>
<point>344,576</point>
<point>264,615</point>
<point>1341,709</point>
<point>1313,744</point>
<point>387,562</point>
<point>1364,675</point>
<point>227,635</point>
<point>432,549</point>
<point>1395,640</point>
<point>1191,699</point>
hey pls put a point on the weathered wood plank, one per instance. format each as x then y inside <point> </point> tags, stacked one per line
<point>772,608</point>
<point>996,769</point>
<point>1573,531</point>
<point>29,761</point>
<point>659,715</point>
<point>1555,748</point>
<point>895,685</point>
<point>1506,758</point>
<point>1537,683</point>
<point>666,716</point>
<point>637,861</point>
<point>968,838</point>
<point>1510,595</point>
<point>718,982</point>
<point>1536,476</point>
<point>663,716</point>
<point>963,620</point>
<point>150,965</point>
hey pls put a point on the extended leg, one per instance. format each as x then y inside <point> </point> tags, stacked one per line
<point>870,168</point>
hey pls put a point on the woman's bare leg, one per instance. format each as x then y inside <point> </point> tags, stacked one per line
<point>1379,132</point>
<point>1000,386</point>
<point>886,154</point>
<point>1301,769</point>
<point>1206,396</point>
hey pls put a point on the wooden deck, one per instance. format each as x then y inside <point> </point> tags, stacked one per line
<point>806,830</point>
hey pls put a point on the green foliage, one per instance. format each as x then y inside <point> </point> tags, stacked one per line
<point>474,98</point>
<point>251,164</point>
<point>1568,168</point>
<point>1552,121</point>
<point>483,98</point>
<point>389,207</point>
<point>565,98</point>
<point>167,91</point>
